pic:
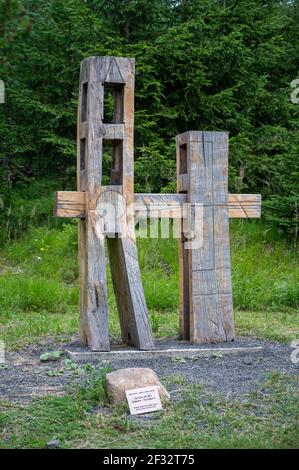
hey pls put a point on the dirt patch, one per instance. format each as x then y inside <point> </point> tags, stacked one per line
<point>24,377</point>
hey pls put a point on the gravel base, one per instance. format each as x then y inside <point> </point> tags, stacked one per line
<point>24,377</point>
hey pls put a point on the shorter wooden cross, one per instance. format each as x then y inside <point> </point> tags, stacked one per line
<point>206,310</point>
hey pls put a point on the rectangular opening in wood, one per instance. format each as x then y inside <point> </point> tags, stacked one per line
<point>112,170</point>
<point>84,102</point>
<point>82,163</point>
<point>185,325</point>
<point>82,154</point>
<point>113,104</point>
<point>183,159</point>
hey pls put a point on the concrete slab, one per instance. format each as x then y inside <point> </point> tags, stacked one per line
<point>134,354</point>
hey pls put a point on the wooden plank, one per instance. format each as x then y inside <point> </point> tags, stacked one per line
<point>158,205</point>
<point>213,318</point>
<point>69,204</point>
<point>203,257</point>
<point>211,275</point>
<point>171,205</point>
<point>244,206</point>
<point>83,130</point>
<point>127,284</point>
<point>185,299</point>
<point>110,208</point>
<point>205,268</point>
<point>200,156</point>
<point>134,320</point>
<point>92,262</point>
<point>244,199</point>
<point>112,132</point>
<point>121,289</point>
<point>184,182</point>
<point>243,212</point>
<point>219,156</point>
<point>116,72</point>
<point>221,237</point>
<point>211,282</point>
<point>147,199</point>
<point>96,312</point>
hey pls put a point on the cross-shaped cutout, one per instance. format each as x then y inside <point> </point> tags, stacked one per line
<point>206,310</point>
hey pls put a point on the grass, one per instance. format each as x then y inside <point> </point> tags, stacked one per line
<point>28,205</point>
<point>196,419</point>
<point>277,326</point>
<point>39,292</point>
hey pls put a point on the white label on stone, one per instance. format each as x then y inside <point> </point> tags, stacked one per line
<point>144,400</point>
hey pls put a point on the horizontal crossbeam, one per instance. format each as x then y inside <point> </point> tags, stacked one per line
<point>71,204</point>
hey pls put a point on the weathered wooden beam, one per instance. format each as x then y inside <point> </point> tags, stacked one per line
<point>206,310</point>
<point>91,248</point>
<point>244,206</point>
<point>72,204</point>
<point>125,272</point>
<point>96,74</point>
<point>159,205</point>
<point>69,204</point>
<point>171,205</point>
<point>113,132</point>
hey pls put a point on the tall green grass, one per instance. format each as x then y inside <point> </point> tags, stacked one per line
<point>39,291</point>
<point>265,269</point>
<point>27,206</point>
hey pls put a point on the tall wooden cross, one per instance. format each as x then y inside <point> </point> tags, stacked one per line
<point>206,310</point>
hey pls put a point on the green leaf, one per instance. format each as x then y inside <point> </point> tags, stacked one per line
<point>50,356</point>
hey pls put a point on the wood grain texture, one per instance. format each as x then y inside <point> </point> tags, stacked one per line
<point>214,317</point>
<point>244,206</point>
<point>72,204</point>
<point>111,132</point>
<point>69,204</point>
<point>206,291</point>
<point>159,205</point>
<point>110,209</point>
<point>101,220</point>
<point>127,284</point>
<point>126,277</point>
<point>185,299</point>
<point>92,261</point>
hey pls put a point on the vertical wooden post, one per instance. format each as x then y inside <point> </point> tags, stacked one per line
<point>134,321</point>
<point>206,312</point>
<point>97,73</point>
<point>92,265</point>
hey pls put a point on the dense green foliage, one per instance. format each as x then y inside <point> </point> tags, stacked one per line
<point>200,64</point>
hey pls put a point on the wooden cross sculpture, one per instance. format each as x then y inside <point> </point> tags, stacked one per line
<point>206,310</point>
